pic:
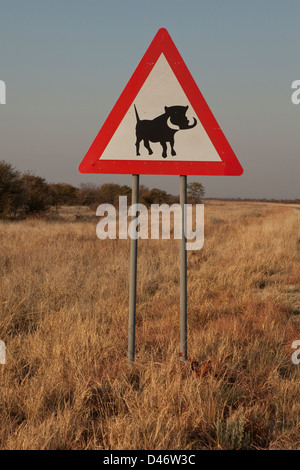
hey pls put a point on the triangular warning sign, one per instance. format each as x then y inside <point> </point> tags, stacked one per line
<point>161,123</point>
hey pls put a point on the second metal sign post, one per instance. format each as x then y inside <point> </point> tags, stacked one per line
<point>132,277</point>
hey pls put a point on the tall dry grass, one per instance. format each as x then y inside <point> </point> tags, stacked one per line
<point>64,309</point>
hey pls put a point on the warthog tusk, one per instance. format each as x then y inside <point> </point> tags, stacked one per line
<point>172,126</point>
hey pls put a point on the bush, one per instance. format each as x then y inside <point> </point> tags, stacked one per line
<point>37,197</point>
<point>195,191</point>
<point>155,196</point>
<point>11,190</point>
<point>63,194</point>
<point>92,195</point>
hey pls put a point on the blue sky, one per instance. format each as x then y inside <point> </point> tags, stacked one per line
<point>66,62</point>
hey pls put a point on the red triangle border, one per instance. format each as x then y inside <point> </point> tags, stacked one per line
<point>162,43</point>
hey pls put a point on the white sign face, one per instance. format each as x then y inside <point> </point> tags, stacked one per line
<point>137,137</point>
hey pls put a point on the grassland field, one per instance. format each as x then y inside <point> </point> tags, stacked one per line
<point>64,319</point>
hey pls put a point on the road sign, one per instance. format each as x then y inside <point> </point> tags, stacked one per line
<point>161,124</point>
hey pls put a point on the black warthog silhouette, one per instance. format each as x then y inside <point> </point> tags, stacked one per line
<point>162,129</point>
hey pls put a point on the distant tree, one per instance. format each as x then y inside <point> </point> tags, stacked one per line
<point>62,194</point>
<point>108,193</point>
<point>123,191</point>
<point>173,199</point>
<point>154,196</point>
<point>143,189</point>
<point>92,195</point>
<point>37,196</point>
<point>11,190</point>
<point>88,194</point>
<point>195,192</point>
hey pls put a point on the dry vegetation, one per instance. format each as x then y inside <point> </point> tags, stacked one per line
<point>64,309</point>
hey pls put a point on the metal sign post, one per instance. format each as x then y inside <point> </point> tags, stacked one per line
<point>183,270</point>
<point>132,277</point>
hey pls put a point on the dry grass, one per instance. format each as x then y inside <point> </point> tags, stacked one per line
<point>64,309</point>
